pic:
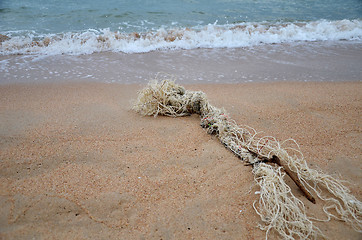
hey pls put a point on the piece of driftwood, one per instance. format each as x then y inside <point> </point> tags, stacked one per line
<point>290,173</point>
<point>293,176</point>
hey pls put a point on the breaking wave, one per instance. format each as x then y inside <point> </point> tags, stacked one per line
<point>210,36</point>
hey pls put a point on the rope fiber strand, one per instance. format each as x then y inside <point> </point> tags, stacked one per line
<point>278,208</point>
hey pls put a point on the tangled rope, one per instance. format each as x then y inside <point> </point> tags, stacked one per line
<point>278,208</point>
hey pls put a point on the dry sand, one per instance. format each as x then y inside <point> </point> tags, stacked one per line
<point>77,163</point>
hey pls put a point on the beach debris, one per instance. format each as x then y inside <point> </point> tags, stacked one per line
<point>271,160</point>
<point>3,38</point>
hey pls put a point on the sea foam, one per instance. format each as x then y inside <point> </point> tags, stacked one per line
<point>209,36</point>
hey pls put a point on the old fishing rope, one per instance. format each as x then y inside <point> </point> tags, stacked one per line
<point>278,208</point>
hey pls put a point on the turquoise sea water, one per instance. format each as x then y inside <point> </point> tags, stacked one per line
<point>51,16</point>
<point>87,26</point>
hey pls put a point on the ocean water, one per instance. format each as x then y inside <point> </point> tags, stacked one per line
<point>198,41</point>
<point>50,27</point>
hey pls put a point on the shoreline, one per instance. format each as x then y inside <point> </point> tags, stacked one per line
<point>312,61</point>
<point>74,154</point>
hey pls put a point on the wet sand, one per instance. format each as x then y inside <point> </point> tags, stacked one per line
<point>77,163</point>
<point>315,61</point>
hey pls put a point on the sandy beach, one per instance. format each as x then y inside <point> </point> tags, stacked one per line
<point>78,163</point>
